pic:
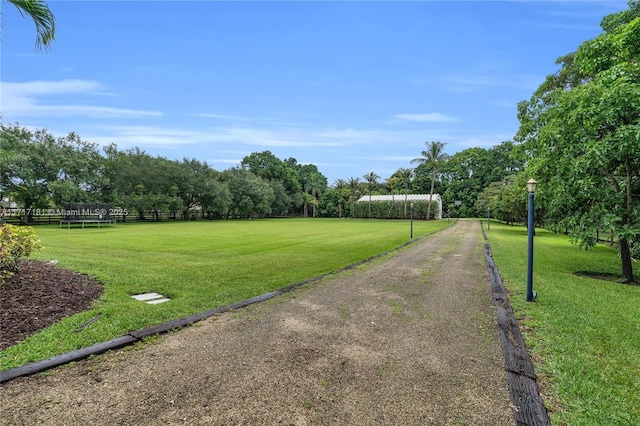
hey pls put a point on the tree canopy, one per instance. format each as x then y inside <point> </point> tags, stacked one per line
<point>39,171</point>
<point>581,131</point>
<point>432,158</point>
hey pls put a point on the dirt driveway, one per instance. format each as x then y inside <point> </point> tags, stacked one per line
<point>408,340</point>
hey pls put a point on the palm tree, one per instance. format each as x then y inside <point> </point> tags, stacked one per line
<point>340,185</point>
<point>308,200</point>
<point>315,186</point>
<point>42,17</point>
<point>392,183</point>
<point>405,176</point>
<point>432,157</point>
<point>372,179</point>
<point>354,193</point>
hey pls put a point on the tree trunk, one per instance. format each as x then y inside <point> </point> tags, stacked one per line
<point>430,196</point>
<point>27,210</point>
<point>625,253</point>
<point>393,204</point>
<point>405,206</point>
<point>625,257</point>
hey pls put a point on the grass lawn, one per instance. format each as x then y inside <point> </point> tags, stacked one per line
<point>583,334</point>
<point>199,265</point>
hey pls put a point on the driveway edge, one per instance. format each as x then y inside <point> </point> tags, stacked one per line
<point>528,407</point>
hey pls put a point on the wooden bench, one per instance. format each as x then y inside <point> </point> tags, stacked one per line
<point>83,221</point>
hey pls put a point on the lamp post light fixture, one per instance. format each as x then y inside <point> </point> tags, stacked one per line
<point>411,220</point>
<point>531,188</point>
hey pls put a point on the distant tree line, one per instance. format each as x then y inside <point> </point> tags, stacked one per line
<point>40,171</point>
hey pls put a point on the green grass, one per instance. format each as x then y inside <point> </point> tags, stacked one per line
<point>583,333</point>
<point>199,265</point>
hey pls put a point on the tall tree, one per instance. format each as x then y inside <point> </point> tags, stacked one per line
<point>80,171</point>
<point>372,179</point>
<point>506,199</point>
<point>283,176</point>
<point>28,166</point>
<point>392,182</point>
<point>340,185</point>
<point>354,193</point>
<point>315,185</point>
<point>432,157</point>
<point>405,176</point>
<point>581,130</point>
<point>43,19</point>
<point>39,171</point>
<point>249,193</point>
<point>308,200</point>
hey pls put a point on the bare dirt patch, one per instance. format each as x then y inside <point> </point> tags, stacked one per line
<point>411,339</point>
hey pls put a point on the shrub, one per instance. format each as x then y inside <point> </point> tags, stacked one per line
<point>16,242</point>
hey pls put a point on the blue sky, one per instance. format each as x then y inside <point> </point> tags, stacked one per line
<point>350,86</point>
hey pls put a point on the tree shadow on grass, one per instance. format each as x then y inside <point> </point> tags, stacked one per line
<point>606,276</point>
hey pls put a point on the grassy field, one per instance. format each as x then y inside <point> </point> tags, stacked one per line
<point>199,265</point>
<point>583,333</point>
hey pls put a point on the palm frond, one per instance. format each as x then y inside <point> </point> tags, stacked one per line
<point>43,19</point>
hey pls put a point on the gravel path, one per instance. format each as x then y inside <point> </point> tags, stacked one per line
<point>408,340</point>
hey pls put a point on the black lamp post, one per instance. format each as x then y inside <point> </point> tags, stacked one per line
<point>531,188</point>
<point>488,218</point>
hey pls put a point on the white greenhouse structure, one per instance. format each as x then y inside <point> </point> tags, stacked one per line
<point>401,198</point>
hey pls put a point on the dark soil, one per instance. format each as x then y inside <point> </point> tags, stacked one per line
<point>40,294</point>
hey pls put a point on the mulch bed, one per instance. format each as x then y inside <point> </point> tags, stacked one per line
<point>39,295</point>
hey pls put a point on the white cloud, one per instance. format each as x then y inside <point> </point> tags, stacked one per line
<point>503,104</point>
<point>147,136</point>
<point>472,83</point>
<point>481,141</point>
<point>395,158</point>
<point>228,161</point>
<point>30,110</point>
<point>575,9</point>
<point>40,87</point>
<point>25,99</point>
<point>224,117</point>
<point>577,27</point>
<point>252,138</point>
<point>475,80</point>
<point>431,117</point>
